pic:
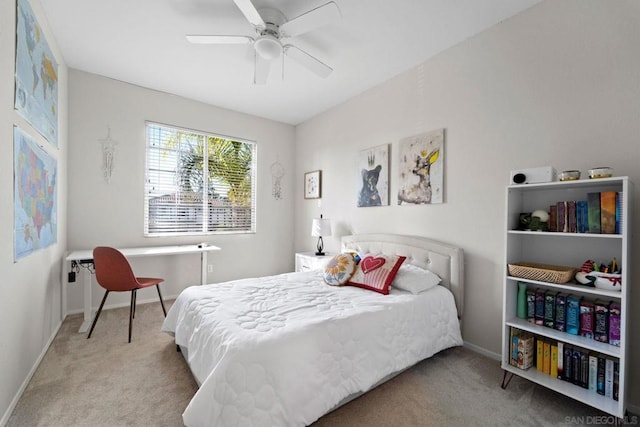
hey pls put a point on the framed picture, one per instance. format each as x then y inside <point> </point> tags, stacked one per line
<point>373,176</point>
<point>422,168</point>
<point>313,185</point>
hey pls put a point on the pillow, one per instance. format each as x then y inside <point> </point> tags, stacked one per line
<point>414,279</point>
<point>339,269</point>
<point>376,272</point>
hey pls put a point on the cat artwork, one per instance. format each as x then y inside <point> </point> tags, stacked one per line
<point>369,195</point>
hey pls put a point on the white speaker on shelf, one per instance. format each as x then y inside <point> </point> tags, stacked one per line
<point>533,175</point>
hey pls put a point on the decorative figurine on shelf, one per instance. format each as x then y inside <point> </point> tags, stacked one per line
<point>525,221</point>
<point>539,221</point>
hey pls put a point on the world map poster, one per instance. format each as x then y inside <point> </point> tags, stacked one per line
<point>35,195</point>
<point>36,75</point>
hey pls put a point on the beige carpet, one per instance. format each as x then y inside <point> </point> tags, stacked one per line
<point>104,381</point>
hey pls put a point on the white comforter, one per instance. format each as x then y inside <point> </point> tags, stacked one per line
<point>284,350</point>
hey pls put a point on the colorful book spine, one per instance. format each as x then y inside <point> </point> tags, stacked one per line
<point>608,212</point>
<point>572,322</point>
<point>616,379</point>
<point>561,221</point>
<point>614,323</point>
<point>546,357</point>
<point>568,367</point>
<point>619,213</point>
<point>593,205</point>
<point>549,308</point>
<point>582,216</point>
<point>553,368</point>
<point>601,321</point>
<point>608,377</point>
<point>586,319</point>
<point>539,354</point>
<point>560,368</point>
<point>561,301</point>
<point>553,218</point>
<point>572,220</point>
<point>575,366</point>
<point>539,316</point>
<point>601,375</point>
<point>531,306</point>
<point>584,370</point>
<point>593,372</point>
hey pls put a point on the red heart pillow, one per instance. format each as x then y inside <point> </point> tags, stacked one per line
<point>376,272</point>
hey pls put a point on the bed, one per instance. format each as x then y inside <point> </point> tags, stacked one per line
<point>284,350</point>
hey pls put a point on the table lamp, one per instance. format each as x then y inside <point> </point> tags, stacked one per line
<point>320,227</point>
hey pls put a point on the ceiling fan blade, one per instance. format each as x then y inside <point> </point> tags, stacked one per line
<point>261,71</point>
<point>308,61</point>
<point>216,39</point>
<point>250,12</point>
<point>315,18</point>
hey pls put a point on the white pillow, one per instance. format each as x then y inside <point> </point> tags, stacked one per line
<point>414,279</point>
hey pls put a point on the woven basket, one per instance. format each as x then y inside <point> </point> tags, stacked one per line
<point>542,272</point>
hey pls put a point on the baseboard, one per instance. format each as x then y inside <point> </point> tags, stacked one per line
<point>25,383</point>
<point>126,304</point>
<point>483,351</point>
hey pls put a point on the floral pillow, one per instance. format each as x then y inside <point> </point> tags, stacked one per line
<point>339,269</point>
<point>376,272</point>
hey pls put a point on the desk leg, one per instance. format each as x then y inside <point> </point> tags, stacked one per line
<point>87,303</point>
<point>204,267</point>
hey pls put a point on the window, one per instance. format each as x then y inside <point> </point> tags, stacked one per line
<point>198,183</point>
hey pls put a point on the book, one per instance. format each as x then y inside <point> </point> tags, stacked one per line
<point>522,349</point>
<point>552,225</point>
<point>582,216</point>
<point>572,224</point>
<point>584,370</point>
<point>531,306</point>
<point>586,319</point>
<point>553,367</point>
<point>549,308</point>
<point>608,377</point>
<point>614,323</point>
<point>568,368</point>
<point>546,357</point>
<point>561,220</point>
<point>539,354</point>
<point>600,377</point>
<point>539,315</point>
<point>593,372</point>
<point>616,379</point>
<point>575,366</point>
<point>572,316</point>
<point>560,368</point>
<point>561,301</point>
<point>593,206</point>
<point>619,212</point>
<point>601,321</point>
<point>608,212</point>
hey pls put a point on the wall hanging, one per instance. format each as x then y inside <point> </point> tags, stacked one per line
<point>373,176</point>
<point>422,168</point>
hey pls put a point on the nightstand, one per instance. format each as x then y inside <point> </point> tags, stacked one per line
<point>306,261</point>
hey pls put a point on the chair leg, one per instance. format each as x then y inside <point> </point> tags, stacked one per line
<point>132,310</point>
<point>161,302</point>
<point>95,319</point>
<point>135,303</point>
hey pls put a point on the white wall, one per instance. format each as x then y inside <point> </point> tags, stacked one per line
<point>102,213</point>
<point>30,292</point>
<point>556,85</point>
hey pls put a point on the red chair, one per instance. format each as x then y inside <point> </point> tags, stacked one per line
<point>114,273</point>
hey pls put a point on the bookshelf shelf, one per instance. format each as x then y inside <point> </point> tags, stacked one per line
<point>567,249</point>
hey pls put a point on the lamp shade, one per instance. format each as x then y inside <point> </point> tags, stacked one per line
<point>321,227</point>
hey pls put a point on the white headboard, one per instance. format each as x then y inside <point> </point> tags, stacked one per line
<point>445,260</point>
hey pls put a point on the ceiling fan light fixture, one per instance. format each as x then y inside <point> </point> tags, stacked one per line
<point>268,47</point>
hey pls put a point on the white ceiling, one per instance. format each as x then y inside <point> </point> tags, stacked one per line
<point>143,42</point>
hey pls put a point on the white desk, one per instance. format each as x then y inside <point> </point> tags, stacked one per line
<point>86,257</point>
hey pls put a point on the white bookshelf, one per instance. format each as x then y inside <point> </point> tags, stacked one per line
<point>570,249</point>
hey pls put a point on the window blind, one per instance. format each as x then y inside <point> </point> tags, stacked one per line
<point>198,183</point>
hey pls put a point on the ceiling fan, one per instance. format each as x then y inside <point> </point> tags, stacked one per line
<point>271,27</point>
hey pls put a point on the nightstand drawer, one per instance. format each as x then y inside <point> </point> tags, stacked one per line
<point>306,261</point>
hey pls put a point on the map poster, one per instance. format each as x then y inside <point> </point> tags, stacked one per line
<point>36,75</point>
<point>35,196</point>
